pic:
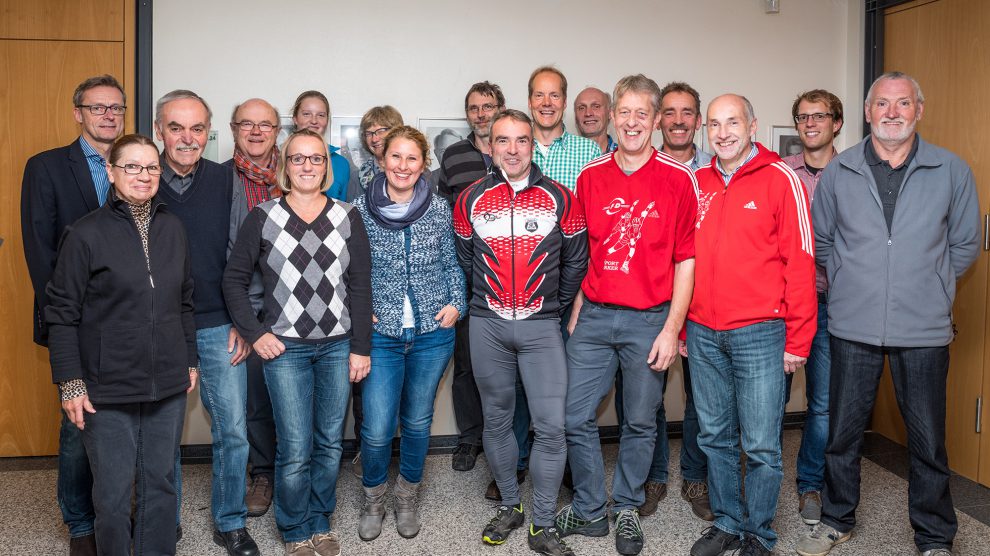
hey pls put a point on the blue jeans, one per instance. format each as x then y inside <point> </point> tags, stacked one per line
<point>401,390</point>
<point>309,385</point>
<point>75,481</point>
<point>738,387</point>
<point>602,339</point>
<point>811,456</point>
<point>919,376</point>
<point>223,389</point>
<point>694,467</point>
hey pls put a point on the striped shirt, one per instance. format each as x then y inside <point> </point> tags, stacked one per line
<point>97,169</point>
<point>563,159</point>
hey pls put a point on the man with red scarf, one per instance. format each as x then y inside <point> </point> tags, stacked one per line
<point>255,125</point>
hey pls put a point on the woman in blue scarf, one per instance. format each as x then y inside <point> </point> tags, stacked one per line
<point>418,293</point>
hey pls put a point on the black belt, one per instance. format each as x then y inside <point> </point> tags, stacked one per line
<point>614,307</point>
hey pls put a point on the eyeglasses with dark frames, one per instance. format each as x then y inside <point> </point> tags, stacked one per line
<point>101,109</point>
<point>817,116</point>
<point>300,159</point>
<point>135,169</point>
<point>380,132</point>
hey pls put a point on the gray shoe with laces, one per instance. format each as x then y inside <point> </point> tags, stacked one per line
<point>628,532</point>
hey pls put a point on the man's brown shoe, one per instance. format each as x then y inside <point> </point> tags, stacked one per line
<point>493,493</point>
<point>655,492</point>
<point>697,495</point>
<point>83,546</point>
<point>259,495</point>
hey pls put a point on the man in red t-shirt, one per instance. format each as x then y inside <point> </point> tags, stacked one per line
<point>640,206</point>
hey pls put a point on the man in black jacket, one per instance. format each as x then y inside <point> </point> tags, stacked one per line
<point>59,187</point>
<point>200,193</point>
<point>464,163</point>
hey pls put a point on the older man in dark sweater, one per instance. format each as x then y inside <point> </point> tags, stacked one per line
<point>200,193</point>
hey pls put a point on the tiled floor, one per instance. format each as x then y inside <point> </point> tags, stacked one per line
<point>455,512</point>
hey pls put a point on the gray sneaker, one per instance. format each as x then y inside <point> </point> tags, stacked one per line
<point>820,541</point>
<point>568,523</point>
<point>810,507</point>
<point>937,552</point>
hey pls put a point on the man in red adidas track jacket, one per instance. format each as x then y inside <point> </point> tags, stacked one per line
<point>751,320</point>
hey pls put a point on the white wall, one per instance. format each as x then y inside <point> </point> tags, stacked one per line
<point>422,56</point>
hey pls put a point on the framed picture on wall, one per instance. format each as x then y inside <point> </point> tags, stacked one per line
<point>345,132</point>
<point>288,127</point>
<point>784,140</point>
<point>701,139</point>
<point>442,133</point>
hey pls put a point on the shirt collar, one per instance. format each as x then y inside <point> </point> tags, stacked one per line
<point>873,159</point>
<point>88,149</point>
<point>168,174</point>
<point>726,176</point>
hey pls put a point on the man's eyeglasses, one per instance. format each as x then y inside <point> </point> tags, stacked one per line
<point>474,109</point>
<point>247,125</point>
<point>135,169</point>
<point>380,132</point>
<point>817,116</point>
<point>101,109</point>
<point>300,159</point>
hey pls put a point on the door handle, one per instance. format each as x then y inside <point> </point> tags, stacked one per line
<point>986,232</point>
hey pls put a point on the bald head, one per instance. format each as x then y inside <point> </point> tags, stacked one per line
<point>591,112</point>
<point>731,125</point>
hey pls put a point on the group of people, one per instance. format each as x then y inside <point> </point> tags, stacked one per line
<point>552,267</point>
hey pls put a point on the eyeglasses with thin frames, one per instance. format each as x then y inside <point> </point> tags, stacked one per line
<point>101,109</point>
<point>248,125</point>
<point>380,132</point>
<point>135,169</point>
<point>817,116</point>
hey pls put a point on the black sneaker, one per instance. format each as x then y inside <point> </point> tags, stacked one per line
<point>713,542</point>
<point>464,457</point>
<point>547,541</point>
<point>506,519</point>
<point>752,547</point>
<point>568,523</point>
<point>628,532</point>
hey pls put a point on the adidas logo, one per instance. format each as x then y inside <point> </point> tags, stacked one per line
<point>750,205</point>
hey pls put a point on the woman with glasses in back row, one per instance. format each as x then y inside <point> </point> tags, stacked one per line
<point>122,343</point>
<point>315,262</point>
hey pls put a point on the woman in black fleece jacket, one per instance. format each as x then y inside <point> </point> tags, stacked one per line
<point>122,343</point>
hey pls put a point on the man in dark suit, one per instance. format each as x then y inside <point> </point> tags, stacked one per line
<point>60,186</point>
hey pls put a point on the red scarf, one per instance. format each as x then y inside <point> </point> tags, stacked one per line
<point>260,183</point>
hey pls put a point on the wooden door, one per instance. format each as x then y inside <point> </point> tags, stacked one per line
<point>47,47</point>
<point>943,44</point>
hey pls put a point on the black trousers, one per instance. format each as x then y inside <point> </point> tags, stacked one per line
<point>919,385</point>
<point>260,420</point>
<point>464,391</point>
<point>131,449</point>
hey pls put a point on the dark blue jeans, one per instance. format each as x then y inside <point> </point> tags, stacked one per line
<point>309,385</point>
<point>74,490</point>
<point>738,387</point>
<point>919,386</point>
<point>401,390</point>
<point>811,456</point>
<point>74,487</point>
<point>131,449</point>
<point>694,466</point>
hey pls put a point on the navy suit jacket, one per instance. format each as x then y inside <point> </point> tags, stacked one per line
<point>57,190</point>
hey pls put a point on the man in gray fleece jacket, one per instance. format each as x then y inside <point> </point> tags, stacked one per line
<point>892,277</point>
